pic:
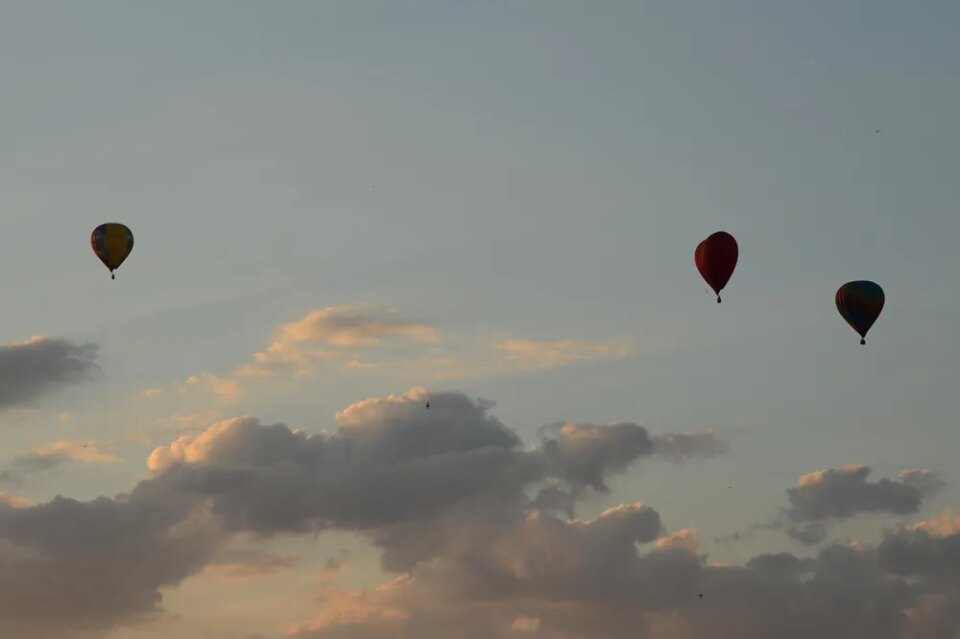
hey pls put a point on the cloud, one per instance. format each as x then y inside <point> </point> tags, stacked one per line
<point>687,539</point>
<point>12,501</point>
<point>845,492</point>
<point>28,465</point>
<point>929,550</point>
<point>578,583</point>
<point>548,570</point>
<point>682,446</point>
<point>355,327</point>
<point>417,482</point>
<point>85,453</point>
<point>810,533</point>
<point>76,569</point>
<point>945,526</point>
<point>53,456</point>
<point>447,497</point>
<point>524,624</point>
<point>227,389</point>
<point>40,365</point>
<point>335,564</point>
<point>927,482</point>
<point>341,338</point>
<point>545,355</point>
<point>391,461</point>
<point>246,563</point>
<point>333,334</point>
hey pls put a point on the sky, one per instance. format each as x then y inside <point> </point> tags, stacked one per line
<point>345,210</point>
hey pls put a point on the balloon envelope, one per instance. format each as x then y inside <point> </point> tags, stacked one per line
<point>716,257</point>
<point>112,243</point>
<point>860,303</point>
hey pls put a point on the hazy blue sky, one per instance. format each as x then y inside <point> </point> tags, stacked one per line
<point>497,173</point>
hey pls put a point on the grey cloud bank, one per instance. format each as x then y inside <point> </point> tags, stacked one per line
<point>40,365</point>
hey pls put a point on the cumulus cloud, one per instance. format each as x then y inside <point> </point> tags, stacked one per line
<point>944,526</point>
<point>444,495</point>
<point>418,483</point>
<point>580,586</point>
<point>39,365</point>
<point>552,571</point>
<point>391,459</point>
<point>845,491</point>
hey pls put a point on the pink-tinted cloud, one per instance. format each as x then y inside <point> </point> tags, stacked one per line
<point>333,334</point>
<point>687,539</point>
<point>12,501</point>
<point>545,355</point>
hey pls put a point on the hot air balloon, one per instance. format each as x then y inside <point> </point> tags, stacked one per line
<point>112,243</point>
<point>860,303</point>
<point>716,257</point>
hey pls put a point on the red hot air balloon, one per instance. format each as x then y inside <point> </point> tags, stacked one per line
<point>716,257</point>
<point>860,303</point>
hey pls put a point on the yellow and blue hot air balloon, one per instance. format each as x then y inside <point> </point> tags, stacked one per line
<point>112,242</point>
